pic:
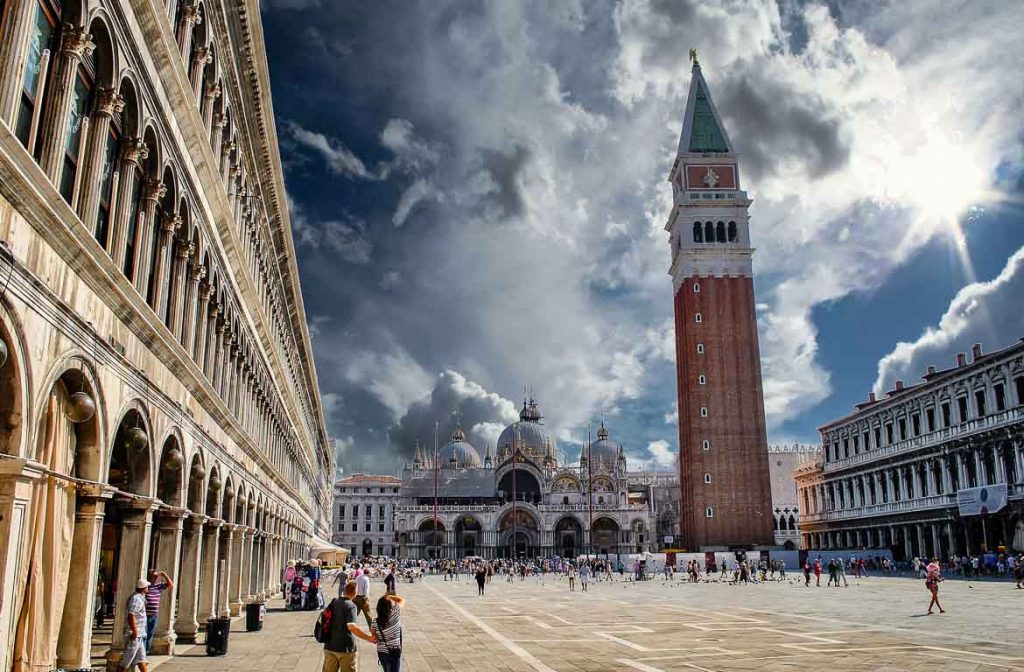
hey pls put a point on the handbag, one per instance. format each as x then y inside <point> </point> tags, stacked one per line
<point>322,629</point>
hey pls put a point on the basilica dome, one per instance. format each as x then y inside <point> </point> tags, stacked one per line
<point>528,434</point>
<point>604,451</point>
<point>458,452</point>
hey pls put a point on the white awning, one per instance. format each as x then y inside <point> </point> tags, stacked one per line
<point>318,545</point>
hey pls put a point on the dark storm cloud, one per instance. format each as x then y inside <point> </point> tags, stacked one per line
<point>772,124</point>
<point>453,400</point>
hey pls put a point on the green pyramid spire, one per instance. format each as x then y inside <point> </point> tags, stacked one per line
<point>707,135</point>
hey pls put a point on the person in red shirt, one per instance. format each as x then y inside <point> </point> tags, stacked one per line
<point>817,573</point>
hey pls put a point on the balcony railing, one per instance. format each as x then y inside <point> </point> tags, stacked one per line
<point>475,508</point>
<point>939,436</point>
<point>902,506</point>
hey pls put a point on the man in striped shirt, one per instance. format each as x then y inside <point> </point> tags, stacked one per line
<point>158,582</point>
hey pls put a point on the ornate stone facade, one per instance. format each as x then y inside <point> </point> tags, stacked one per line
<point>893,470</point>
<point>364,514</point>
<point>522,501</point>
<point>159,401</point>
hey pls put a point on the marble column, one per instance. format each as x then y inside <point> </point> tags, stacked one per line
<point>921,549</point>
<point>947,478</point>
<point>133,153</point>
<point>190,18</point>
<point>209,576</point>
<point>186,624</point>
<point>108,103</point>
<point>196,272</point>
<point>200,57</point>
<point>936,543</point>
<point>216,138</point>
<point>216,368</point>
<point>74,643</point>
<point>177,308</point>
<point>169,225</point>
<point>133,557</point>
<point>168,559</point>
<point>202,315</point>
<point>210,95</point>
<point>153,191</point>
<point>75,44</point>
<point>224,585</point>
<point>17,477</point>
<point>235,594</point>
<point>248,587</point>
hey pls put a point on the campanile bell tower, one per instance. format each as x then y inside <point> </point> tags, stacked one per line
<point>723,448</point>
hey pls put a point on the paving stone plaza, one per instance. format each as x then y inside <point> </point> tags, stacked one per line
<point>874,624</point>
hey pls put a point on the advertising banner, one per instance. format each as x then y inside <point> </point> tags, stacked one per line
<point>979,501</point>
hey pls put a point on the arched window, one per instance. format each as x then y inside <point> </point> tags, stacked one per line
<point>565,500</point>
<point>701,379</point>
<point>720,232</point>
<point>600,500</point>
<point>696,288</point>
<point>698,233</point>
<point>775,522</point>
<point>42,48</point>
<point>700,348</point>
<point>703,411</point>
<point>732,232</point>
<point>792,523</point>
<point>707,477</point>
<point>706,445</point>
<point>697,318</point>
<point>709,512</point>
<point>709,232</point>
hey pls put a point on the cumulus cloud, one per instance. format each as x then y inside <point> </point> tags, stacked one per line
<point>515,189</point>
<point>453,399</point>
<point>337,156</point>
<point>661,453</point>
<point>982,312</point>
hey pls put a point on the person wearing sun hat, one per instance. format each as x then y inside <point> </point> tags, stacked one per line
<point>135,629</point>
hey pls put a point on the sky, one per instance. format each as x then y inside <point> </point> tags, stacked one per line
<point>478,194</point>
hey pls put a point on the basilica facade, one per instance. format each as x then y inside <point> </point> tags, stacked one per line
<point>157,390</point>
<point>520,501</point>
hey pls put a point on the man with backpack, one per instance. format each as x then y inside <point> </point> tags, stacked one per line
<point>337,630</point>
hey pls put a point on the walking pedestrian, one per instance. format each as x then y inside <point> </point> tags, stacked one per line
<point>340,652</point>
<point>390,581</point>
<point>817,573</point>
<point>584,575</point>
<point>807,574</point>
<point>931,582</point>
<point>387,630</point>
<point>571,573</point>
<point>841,573</point>
<point>481,580</point>
<point>362,600</point>
<point>158,582</point>
<point>135,630</point>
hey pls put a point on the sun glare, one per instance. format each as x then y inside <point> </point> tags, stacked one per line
<point>943,180</point>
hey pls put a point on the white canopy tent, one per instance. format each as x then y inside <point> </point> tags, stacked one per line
<point>327,552</point>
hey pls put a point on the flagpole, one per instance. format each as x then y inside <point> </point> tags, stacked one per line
<point>590,491</point>
<point>435,488</point>
<point>515,520</point>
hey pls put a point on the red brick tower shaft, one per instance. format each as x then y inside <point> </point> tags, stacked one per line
<point>726,492</point>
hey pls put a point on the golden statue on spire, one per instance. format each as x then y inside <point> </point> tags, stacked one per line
<point>693,55</point>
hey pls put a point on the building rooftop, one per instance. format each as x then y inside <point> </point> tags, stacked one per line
<point>357,479</point>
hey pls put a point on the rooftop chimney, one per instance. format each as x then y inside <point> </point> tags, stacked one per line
<point>871,397</point>
<point>899,385</point>
<point>961,359</point>
<point>931,371</point>
<point>976,352</point>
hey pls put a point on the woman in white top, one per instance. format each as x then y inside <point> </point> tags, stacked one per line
<point>387,630</point>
